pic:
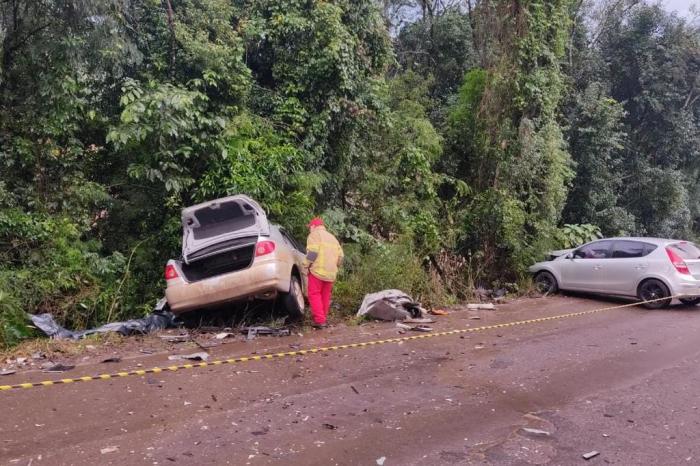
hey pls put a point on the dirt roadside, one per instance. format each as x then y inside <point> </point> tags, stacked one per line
<point>448,400</point>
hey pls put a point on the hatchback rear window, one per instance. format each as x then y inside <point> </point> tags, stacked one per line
<point>686,250</point>
<point>222,218</point>
<point>630,249</point>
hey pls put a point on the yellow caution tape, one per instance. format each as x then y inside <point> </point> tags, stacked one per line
<point>302,352</point>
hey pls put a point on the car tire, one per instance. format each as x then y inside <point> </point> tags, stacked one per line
<point>293,301</point>
<point>690,301</point>
<point>546,283</point>
<point>654,289</point>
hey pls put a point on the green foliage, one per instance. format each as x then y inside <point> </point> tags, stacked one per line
<point>571,236</point>
<point>261,163</point>
<point>505,141</point>
<point>381,267</point>
<point>452,162</point>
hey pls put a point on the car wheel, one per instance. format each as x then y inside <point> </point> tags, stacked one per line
<point>690,301</point>
<point>546,283</point>
<point>293,302</point>
<point>654,290</point>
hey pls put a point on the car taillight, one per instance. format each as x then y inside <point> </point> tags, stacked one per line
<point>677,262</point>
<point>170,272</point>
<point>264,248</point>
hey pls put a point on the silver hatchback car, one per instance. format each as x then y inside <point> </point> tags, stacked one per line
<point>644,268</point>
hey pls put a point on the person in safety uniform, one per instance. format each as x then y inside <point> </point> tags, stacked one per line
<point>324,255</point>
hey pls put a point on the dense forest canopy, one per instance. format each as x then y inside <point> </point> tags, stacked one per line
<point>449,144</point>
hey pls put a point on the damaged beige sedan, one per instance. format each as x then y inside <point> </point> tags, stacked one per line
<point>230,253</point>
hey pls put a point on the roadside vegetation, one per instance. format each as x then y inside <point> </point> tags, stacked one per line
<point>448,144</point>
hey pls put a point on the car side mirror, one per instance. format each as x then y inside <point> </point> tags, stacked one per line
<point>570,255</point>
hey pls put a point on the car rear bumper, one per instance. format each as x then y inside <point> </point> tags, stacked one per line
<point>255,281</point>
<point>685,286</point>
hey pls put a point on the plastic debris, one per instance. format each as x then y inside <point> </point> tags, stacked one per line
<point>380,461</point>
<point>106,450</point>
<point>7,372</point>
<point>157,321</point>
<point>191,357</point>
<point>222,335</point>
<point>590,454</point>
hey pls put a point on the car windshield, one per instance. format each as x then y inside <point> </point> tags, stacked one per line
<point>686,250</point>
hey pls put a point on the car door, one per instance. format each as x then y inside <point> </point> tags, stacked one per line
<point>585,269</point>
<point>628,263</point>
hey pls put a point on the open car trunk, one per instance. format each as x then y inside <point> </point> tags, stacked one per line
<point>221,225</point>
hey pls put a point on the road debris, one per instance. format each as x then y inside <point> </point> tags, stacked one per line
<point>438,312</point>
<point>390,305</point>
<point>532,431</point>
<point>112,359</point>
<point>107,450</point>
<point>590,454</point>
<point>330,426</point>
<point>191,357</point>
<point>354,390</point>
<point>481,306</point>
<point>252,332</point>
<point>59,368</point>
<point>7,372</point>
<point>223,335</point>
<point>419,321</point>
<point>380,461</point>
<point>157,321</point>
<point>416,328</point>
<point>175,338</point>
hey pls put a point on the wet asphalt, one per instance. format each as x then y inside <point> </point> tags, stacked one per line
<point>623,383</point>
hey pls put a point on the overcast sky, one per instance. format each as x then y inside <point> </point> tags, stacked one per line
<point>681,6</point>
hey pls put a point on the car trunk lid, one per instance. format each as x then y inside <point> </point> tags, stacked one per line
<point>221,225</point>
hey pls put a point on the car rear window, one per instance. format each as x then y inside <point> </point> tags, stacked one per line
<point>224,218</point>
<point>628,249</point>
<point>686,250</point>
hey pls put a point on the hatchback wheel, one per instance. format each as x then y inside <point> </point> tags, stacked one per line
<point>546,283</point>
<point>293,302</point>
<point>690,301</point>
<point>655,291</point>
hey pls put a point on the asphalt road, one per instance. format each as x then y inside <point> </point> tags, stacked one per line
<point>623,383</point>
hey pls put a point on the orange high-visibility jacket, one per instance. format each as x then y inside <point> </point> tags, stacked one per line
<point>323,254</point>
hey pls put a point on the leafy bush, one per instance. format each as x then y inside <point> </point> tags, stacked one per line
<point>48,267</point>
<point>571,236</point>
<point>384,266</point>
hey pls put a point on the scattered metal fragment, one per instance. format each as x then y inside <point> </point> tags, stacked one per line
<point>330,426</point>
<point>7,372</point>
<point>590,454</point>
<point>59,368</point>
<point>481,306</point>
<point>106,450</point>
<point>192,357</point>
<point>252,332</point>
<point>175,338</point>
<point>536,431</point>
